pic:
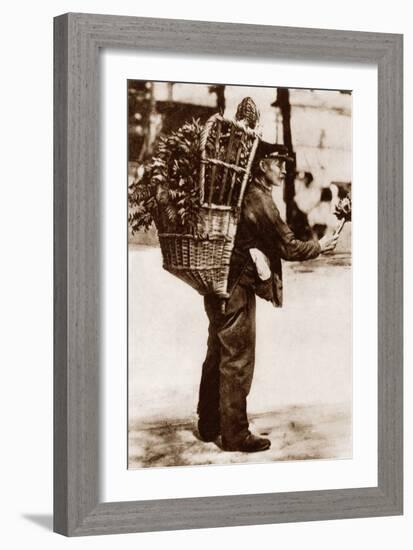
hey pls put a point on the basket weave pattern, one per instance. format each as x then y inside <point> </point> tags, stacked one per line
<point>203,259</point>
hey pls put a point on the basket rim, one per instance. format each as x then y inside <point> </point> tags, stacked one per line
<point>222,237</point>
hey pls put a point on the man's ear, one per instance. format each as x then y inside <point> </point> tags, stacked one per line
<point>261,165</point>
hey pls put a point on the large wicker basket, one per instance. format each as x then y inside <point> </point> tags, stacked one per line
<point>203,259</point>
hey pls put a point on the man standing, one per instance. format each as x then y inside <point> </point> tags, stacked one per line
<point>229,364</point>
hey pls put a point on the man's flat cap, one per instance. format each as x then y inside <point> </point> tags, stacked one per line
<point>271,150</point>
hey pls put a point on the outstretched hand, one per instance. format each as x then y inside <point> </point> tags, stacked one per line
<point>328,243</point>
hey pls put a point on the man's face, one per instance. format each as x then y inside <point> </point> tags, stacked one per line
<point>273,170</point>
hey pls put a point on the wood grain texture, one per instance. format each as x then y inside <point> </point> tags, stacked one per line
<point>78,38</point>
<point>390,273</point>
<point>60,278</point>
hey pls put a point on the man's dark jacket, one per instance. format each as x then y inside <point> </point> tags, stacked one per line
<point>262,227</point>
<point>229,364</point>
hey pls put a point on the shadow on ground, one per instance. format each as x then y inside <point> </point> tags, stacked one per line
<point>43,520</point>
<point>296,433</point>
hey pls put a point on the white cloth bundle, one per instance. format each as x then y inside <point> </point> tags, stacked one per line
<point>262,264</point>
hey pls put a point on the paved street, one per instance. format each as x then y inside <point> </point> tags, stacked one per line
<point>296,433</point>
<point>301,393</point>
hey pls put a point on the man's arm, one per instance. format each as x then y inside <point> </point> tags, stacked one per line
<point>277,234</point>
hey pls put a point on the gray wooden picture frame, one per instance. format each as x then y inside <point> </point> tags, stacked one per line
<point>78,39</point>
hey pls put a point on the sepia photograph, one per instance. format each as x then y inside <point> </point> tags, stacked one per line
<point>239,274</point>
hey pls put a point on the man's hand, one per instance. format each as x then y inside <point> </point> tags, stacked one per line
<point>328,244</point>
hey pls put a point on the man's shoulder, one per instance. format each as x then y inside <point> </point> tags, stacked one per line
<point>256,194</point>
<point>252,203</point>
<point>259,201</point>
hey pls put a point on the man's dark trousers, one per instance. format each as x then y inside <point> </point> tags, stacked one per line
<point>229,365</point>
